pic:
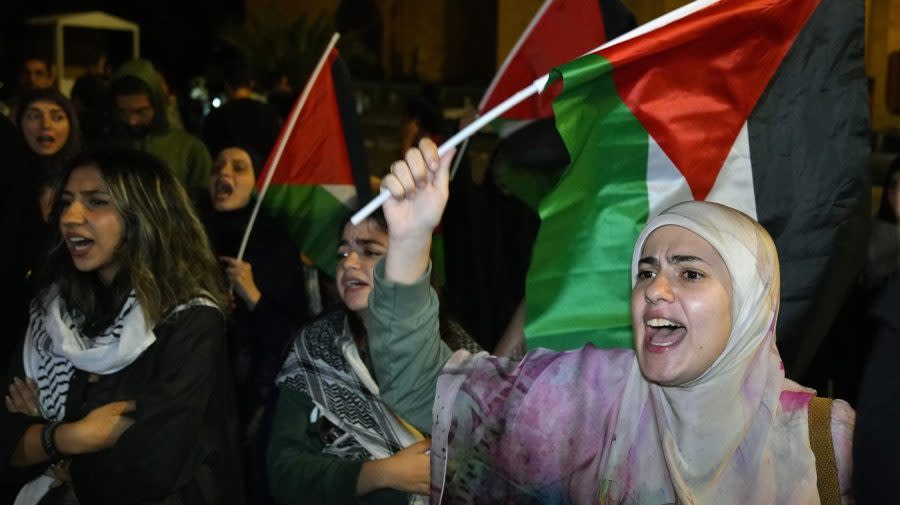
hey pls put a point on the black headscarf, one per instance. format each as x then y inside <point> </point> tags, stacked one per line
<point>47,170</point>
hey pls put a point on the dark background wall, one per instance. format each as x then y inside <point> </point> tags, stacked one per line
<point>178,35</point>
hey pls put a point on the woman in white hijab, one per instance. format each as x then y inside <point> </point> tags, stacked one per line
<point>699,412</point>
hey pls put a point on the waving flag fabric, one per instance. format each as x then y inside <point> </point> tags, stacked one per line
<point>322,172</point>
<point>733,101</point>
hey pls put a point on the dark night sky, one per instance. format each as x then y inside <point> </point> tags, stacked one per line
<point>178,35</point>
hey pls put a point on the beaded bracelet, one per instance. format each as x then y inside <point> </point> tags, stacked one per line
<point>47,442</point>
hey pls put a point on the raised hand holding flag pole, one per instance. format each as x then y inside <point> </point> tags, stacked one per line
<point>420,187</point>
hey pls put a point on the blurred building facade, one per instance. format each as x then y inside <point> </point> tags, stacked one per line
<point>464,41</point>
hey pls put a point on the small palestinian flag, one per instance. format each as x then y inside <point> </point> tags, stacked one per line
<point>322,172</point>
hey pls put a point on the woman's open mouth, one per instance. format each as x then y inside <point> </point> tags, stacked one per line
<point>46,141</point>
<point>78,246</point>
<point>224,190</point>
<point>661,335</point>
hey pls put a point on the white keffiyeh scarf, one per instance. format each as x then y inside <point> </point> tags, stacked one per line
<point>325,364</point>
<point>55,346</point>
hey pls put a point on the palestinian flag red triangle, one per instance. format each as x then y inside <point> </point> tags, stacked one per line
<point>672,111</point>
<point>694,82</point>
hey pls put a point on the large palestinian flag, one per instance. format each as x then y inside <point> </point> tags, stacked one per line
<point>757,104</point>
<point>489,236</point>
<point>322,171</point>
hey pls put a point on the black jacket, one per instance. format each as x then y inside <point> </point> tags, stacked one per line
<point>876,439</point>
<point>182,447</point>
<point>259,338</point>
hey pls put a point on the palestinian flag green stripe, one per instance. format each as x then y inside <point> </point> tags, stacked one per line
<point>600,131</point>
<point>298,206</point>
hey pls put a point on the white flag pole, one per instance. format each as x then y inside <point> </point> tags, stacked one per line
<point>276,158</point>
<point>535,87</point>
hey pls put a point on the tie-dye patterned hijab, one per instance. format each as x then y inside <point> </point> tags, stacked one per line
<point>585,426</point>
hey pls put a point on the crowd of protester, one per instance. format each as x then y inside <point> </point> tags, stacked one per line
<point>149,364</point>
<point>145,351</point>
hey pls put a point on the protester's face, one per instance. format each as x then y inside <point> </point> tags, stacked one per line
<point>360,249</point>
<point>35,75</point>
<point>136,112</point>
<point>232,180</point>
<point>90,224</point>
<point>680,306</point>
<point>45,127</point>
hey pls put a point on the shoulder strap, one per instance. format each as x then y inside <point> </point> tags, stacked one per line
<point>823,449</point>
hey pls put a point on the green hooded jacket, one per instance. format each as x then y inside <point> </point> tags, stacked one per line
<point>185,154</point>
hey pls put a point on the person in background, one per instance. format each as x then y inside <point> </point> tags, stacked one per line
<point>141,103</point>
<point>422,119</point>
<point>884,243</point>
<point>122,392</point>
<point>281,94</point>
<point>334,441</point>
<point>242,119</point>
<point>36,74</point>
<point>90,96</point>
<point>876,441</point>
<point>50,127</point>
<point>269,297</point>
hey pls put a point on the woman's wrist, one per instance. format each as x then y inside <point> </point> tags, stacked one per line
<point>48,441</point>
<point>407,258</point>
<point>372,476</point>
<point>411,237</point>
<point>70,439</point>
